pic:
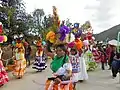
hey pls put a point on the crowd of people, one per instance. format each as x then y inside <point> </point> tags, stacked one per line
<point>68,64</point>
<point>71,61</point>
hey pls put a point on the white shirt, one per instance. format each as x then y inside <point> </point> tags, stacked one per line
<point>63,70</point>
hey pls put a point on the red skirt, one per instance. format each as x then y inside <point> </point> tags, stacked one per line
<point>3,74</point>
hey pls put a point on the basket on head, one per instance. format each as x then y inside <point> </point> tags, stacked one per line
<point>58,41</point>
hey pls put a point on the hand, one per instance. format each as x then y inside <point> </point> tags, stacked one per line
<point>57,81</point>
<point>55,74</point>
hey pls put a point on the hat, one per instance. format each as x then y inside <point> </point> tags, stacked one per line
<point>19,45</point>
<point>39,43</point>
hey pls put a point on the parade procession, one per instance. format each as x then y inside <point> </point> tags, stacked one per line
<point>61,55</point>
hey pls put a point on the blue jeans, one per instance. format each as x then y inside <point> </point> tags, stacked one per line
<point>115,67</point>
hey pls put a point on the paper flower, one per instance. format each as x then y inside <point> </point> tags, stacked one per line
<point>51,36</point>
<point>78,43</point>
<point>63,31</point>
<point>1,29</point>
<point>71,44</point>
<point>5,38</point>
<point>77,33</point>
<point>1,39</point>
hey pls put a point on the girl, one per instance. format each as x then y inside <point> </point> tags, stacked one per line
<point>75,61</point>
<point>61,68</point>
<point>39,63</point>
<point>3,74</point>
<point>20,63</point>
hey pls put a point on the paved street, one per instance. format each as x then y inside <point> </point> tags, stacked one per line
<point>98,80</point>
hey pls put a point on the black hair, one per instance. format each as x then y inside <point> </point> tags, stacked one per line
<point>62,46</point>
<point>74,50</point>
<point>118,55</point>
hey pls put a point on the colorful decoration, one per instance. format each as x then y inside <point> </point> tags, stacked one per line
<point>43,43</point>
<point>77,32</point>
<point>86,42</point>
<point>56,17</point>
<point>89,36</point>
<point>63,31</point>
<point>76,25</point>
<point>78,43</point>
<point>51,37</point>
<point>1,29</point>
<point>71,45</point>
<point>5,38</point>
<point>1,39</point>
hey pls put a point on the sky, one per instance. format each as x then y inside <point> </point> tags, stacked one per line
<point>102,14</point>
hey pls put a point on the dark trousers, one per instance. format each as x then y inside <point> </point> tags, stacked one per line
<point>103,65</point>
<point>27,57</point>
<point>115,67</point>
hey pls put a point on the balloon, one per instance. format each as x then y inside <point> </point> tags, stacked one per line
<point>5,38</point>
<point>1,39</point>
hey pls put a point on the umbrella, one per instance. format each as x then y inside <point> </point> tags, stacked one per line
<point>114,43</point>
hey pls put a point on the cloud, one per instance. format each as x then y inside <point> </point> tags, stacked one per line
<point>105,16</point>
<point>102,14</point>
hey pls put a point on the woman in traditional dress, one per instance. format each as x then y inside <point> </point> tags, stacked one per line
<point>75,61</point>
<point>3,74</point>
<point>62,69</point>
<point>40,63</point>
<point>20,62</point>
<point>96,54</point>
<point>82,75</point>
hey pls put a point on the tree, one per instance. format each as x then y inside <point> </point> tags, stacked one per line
<point>38,16</point>
<point>13,16</point>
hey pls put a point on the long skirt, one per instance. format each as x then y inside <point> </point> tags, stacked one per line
<point>19,69</point>
<point>3,74</point>
<point>75,77</point>
<point>82,75</point>
<point>51,86</point>
<point>39,63</point>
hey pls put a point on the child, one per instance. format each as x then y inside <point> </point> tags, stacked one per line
<point>61,65</point>
<point>75,61</point>
<point>39,63</point>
